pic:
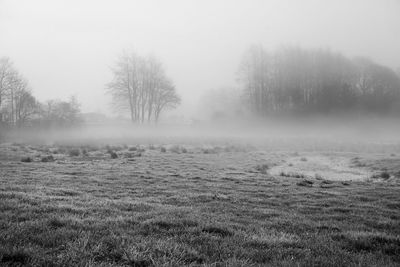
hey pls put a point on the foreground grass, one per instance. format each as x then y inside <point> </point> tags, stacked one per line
<point>177,209</point>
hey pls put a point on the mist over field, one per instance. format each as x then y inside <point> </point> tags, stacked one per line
<point>268,132</point>
<point>199,133</point>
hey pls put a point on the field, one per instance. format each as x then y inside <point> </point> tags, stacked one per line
<point>211,203</point>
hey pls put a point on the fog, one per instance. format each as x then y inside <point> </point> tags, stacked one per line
<point>247,70</point>
<point>199,133</point>
<point>313,134</point>
<point>67,48</point>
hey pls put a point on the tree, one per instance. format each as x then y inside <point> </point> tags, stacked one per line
<point>17,104</point>
<point>253,73</point>
<point>61,113</point>
<point>26,106</point>
<point>140,86</point>
<point>6,73</point>
<point>165,97</point>
<point>296,80</point>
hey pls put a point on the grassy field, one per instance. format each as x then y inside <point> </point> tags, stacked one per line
<point>197,205</point>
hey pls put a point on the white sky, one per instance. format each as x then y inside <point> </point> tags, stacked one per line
<point>66,47</point>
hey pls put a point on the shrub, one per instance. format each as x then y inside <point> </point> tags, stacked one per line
<point>163,149</point>
<point>385,175</point>
<point>85,152</point>
<point>305,183</point>
<point>298,175</point>
<point>293,175</point>
<point>74,152</point>
<point>26,159</point>
<point>49,158</point>
<point>15,257</point>
<point>217,231</point>
<point>263,168</point>
<point>209,151</point>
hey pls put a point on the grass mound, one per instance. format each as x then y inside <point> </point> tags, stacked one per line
<point>113,155</point>
<point>74,152</point>
<point>305,183</point>
<point>262,168</point>
<point>48,158</point>
<point>26,159</point>
<point>215,230</point>
<point>14,257</point>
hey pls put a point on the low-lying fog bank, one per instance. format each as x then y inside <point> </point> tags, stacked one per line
<point>286,134</point>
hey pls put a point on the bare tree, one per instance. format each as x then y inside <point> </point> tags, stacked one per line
<point>140,86</point>
<point>26,106</point>
<point>165,98</point>
<point>17,104</point>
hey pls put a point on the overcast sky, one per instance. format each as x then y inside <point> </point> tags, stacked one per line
<point>66,47</point>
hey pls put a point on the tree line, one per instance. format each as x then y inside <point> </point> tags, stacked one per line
<point>19,108</point>
<point>141,87</point>
<point>297,80</point>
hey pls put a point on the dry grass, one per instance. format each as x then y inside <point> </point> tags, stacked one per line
<point>206,207</point>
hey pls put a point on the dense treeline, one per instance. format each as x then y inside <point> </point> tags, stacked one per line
<point>307,81</point>
<point>18,106</point>
<point>141,86</point>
